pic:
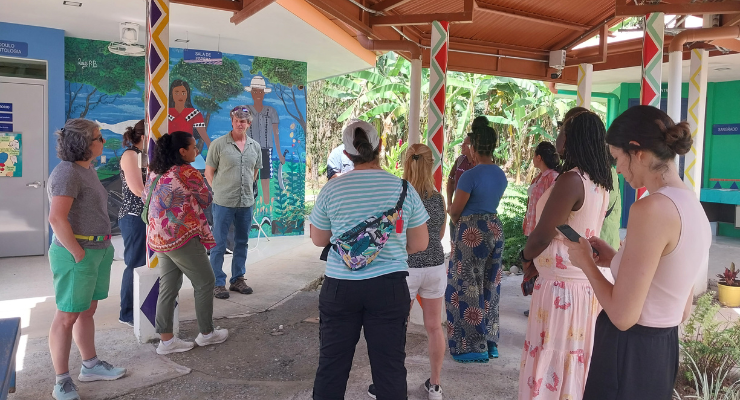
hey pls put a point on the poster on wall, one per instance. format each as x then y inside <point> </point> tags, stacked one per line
<point>202,94</point>
<point>11,151</point>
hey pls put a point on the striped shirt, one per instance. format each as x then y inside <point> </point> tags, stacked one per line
<point>348,200</point>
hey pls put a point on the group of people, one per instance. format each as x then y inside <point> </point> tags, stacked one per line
<point>603,323</point>
<point>163,210</point>
<point>604,312</point>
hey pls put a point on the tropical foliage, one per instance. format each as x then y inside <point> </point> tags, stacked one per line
<point>523,112</point>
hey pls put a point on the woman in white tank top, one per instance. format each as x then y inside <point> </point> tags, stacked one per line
<point>636,353</point>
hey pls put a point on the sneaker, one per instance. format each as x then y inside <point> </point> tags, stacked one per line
<point>102,371</point>
<point>492,350</point>
<point>220,292</point>
<point>434,391</point>
<point>241,286</point>
<point>176,346</point>
<point>65,390</point>
<point>129,323</point>
<point>371,391</point>
<point>218,336</point>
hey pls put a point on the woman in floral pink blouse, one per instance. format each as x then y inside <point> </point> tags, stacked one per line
<point>179,233</point>
<point>547,160</point>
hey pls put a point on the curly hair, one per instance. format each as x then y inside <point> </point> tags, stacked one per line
<point>483,139</point>
<point>585,148</point>
<point>417,169</point>
<point>167,151</point>
<point>134,134</point>
<point>73,141</point>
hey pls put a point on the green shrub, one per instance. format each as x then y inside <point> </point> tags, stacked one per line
<point>709,343</point>
<point>512,210</point>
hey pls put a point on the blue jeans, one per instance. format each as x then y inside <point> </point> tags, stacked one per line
<point>133,230</point>
<point>223,217</point>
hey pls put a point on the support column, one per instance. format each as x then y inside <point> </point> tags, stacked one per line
<point>437,82</point>
<point>652,59</point>
<point>693,173</point>
<point>585,74</point>
<point>146,280</point>
<point>652,66</point>
<point>415,102</point>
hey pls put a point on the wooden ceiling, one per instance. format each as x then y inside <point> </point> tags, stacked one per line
<point>505,37</point>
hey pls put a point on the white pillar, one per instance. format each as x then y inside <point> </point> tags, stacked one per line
<point>415,102</point>
<point>146,292</point>
<point>675,60</point>
<point>585,74</point>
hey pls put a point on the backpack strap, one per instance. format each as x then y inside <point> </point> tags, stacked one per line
<point>404,189</point>
<point>151,190</point>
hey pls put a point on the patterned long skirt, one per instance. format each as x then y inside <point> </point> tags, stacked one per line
<point>474,284</point>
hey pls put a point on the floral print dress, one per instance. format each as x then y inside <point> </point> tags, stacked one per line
<point>560,329</point>
<point>474,284</point>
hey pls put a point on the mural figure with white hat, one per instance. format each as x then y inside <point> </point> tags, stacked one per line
<point>264,130</point>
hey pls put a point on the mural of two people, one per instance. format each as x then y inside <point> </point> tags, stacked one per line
<point>200,97</point>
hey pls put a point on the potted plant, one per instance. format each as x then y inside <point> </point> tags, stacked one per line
<point>729,287</point>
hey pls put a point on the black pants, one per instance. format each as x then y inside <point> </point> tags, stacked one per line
<point>380,306</point>
<point>640,363</point>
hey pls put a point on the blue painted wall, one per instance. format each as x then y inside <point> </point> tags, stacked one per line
<point>44,44</point>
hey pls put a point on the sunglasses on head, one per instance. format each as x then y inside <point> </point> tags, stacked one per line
<point>242,109</point>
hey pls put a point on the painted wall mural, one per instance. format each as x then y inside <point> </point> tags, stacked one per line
<point>109,89</point>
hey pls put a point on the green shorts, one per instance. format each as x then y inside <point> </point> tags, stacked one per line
<point>76,284</point>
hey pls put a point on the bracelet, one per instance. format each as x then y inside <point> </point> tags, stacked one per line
<point>521,256</point>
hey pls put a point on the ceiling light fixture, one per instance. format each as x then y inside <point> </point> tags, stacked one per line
<point>182,40</point>
<point>72,3</point>
<point>723,69</point>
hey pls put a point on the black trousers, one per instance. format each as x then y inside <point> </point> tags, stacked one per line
<point>640,363</point>
<point>380,306</point>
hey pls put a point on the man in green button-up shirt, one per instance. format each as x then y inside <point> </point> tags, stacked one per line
<point>232,166</point>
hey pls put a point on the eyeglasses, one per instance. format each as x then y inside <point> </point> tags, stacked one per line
<point>100,139</point>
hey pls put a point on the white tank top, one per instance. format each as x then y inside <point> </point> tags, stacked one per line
<point>677,271</point>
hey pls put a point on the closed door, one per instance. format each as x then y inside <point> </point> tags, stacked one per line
<point>22,213</point>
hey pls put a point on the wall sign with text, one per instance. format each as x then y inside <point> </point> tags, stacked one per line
<point>726,129</point>
<point>203,57</point>
<point>13,49</point>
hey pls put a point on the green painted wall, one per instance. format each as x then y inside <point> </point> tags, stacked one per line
<point>723,107</point>
<point>721,152</point>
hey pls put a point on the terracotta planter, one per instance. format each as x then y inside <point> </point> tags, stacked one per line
<point>729,295</point>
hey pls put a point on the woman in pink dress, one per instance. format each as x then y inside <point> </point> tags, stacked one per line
<point>563,311</point>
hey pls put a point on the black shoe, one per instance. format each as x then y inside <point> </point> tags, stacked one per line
<point>371,391</point>
<point>526,313</point>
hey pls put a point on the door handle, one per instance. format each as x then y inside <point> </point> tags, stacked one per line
<point>34,185</point>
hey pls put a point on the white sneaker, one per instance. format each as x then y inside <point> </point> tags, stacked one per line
<point>176,346</point>
<point>217,336</point>
<point>434,391</point>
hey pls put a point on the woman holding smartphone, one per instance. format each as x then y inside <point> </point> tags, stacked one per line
<point>563,311</point>
<point>636,353</point>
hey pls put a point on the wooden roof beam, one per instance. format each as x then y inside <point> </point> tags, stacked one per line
<point>385,5</point>
<point>223,5</point>
<point>541,19</point>
<point>730,19</point>
<point>425,19</point>
<point>630,10</point>
<point>250,8</point>
<point>601,57</point>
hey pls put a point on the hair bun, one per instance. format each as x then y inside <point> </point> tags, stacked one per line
<point>678,138</point>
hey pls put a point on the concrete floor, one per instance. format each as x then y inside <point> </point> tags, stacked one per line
<point>277,270</point>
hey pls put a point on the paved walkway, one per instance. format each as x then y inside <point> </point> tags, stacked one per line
<point>253,364</point>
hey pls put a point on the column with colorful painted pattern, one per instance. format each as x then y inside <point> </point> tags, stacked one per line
<point>437,82</point>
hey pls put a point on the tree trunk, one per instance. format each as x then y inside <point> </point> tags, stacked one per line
<point>87,103</point>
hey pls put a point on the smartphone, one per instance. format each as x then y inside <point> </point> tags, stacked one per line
<point>572,235</point>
